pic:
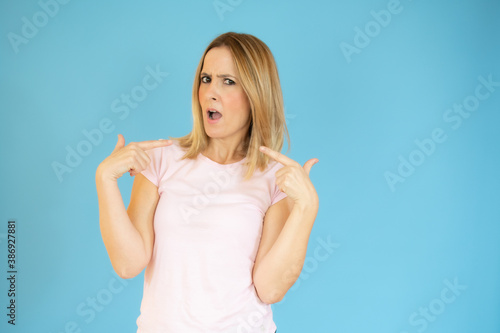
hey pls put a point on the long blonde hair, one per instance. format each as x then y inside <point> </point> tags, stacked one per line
<point>260,81</point>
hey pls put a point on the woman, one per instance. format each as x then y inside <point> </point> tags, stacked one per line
<point>206,216</point>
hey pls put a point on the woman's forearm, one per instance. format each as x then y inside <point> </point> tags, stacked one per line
<point>282,265</point>
<point>123,242</point>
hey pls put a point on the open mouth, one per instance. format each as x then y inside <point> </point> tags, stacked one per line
<point>213,114</point>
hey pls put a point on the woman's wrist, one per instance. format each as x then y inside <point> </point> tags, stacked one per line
<point>310,204</point>
<point>102,177</point>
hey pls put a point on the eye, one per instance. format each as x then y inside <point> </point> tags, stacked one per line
<point>205,79</point>
<point>229,82</point>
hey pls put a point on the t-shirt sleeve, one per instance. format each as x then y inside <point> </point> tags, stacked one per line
<point>277,195</point>
<point>154,169</point>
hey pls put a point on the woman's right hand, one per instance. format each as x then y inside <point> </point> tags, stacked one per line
<point>130,158</point>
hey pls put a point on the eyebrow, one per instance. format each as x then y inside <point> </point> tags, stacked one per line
<point>220,75</point>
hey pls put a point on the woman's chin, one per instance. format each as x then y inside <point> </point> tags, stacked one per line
<point>213,134</point>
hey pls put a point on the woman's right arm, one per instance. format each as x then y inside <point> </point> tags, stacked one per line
<point>128,234</point>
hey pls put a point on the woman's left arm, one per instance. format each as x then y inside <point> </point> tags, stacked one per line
<point>287,226</point>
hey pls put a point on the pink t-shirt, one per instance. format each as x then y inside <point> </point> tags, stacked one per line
<point>208,225</point>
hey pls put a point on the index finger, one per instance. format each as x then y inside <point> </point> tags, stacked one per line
<point>277,156</point>
<point>146,145</point>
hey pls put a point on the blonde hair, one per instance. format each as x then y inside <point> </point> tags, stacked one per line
<point>259,78</point>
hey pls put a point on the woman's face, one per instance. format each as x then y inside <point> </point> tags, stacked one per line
<point>224,104</point>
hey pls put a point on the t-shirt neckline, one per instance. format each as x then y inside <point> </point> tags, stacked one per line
<point>222,165</point>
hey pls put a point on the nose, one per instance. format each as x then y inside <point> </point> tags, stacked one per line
<point>212,92</point>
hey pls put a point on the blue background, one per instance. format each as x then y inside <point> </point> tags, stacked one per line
<point>360,114</point>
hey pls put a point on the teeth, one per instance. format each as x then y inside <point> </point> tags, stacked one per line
<point>210,113</point>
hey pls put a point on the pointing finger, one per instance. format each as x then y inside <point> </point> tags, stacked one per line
<point>277,156</point>
<point>146,145</point>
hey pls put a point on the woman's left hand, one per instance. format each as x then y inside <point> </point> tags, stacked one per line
<point>293,179</point>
